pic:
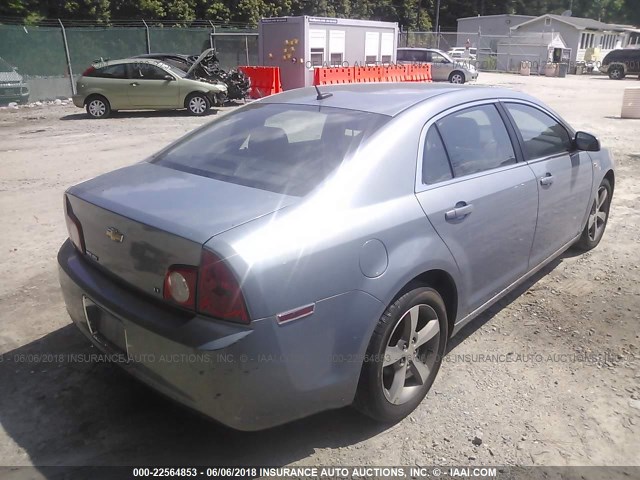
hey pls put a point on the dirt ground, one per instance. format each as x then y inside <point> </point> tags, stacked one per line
<point>565,389</point>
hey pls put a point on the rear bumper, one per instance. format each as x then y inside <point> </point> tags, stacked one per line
<point>78,101</point>
<point>248,378</point>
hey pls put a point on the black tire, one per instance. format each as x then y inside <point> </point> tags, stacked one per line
<point>373,396</point>
<point>98,107</point>
<point>616,73</point>
<point>456,77</point>
<point>593,230</point>
<point>197,104</point>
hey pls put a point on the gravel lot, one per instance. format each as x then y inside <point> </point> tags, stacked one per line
<point>566,393</point>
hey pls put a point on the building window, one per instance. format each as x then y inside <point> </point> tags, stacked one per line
<point>317,45</point>
<point>317,57</point>
<point>386,47</point>
<point>371,47</point>
<point>336,47</point>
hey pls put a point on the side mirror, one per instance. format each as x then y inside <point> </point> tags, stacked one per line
<point>587,142</point>
<point>169,77</point>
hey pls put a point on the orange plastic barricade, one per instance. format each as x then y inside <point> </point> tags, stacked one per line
<point>368,74</point>
<point>428,73</point>
<point>410,73</point>
<point>264,80</point>
<point>333,75</point>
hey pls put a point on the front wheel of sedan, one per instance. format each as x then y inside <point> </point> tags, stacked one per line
<point>597,219</point>
<point>98,107</point>
<point>198,104</point>
<point>404,355</point>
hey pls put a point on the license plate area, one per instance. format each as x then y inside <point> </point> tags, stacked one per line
<point>105,328</point>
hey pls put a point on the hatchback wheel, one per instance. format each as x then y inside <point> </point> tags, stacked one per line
<point>598,217</point>
<point>616,73</point>
<point>98,107</point>
<point>456,77</point>
<point>198,104</point>
<point>404,355</point>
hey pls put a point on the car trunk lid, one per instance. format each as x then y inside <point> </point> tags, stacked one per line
<point>139,220</point>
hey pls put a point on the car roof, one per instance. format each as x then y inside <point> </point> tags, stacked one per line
<point>128,60</point>
<point>163,55</point>
<point>388,98</point>
<point>419,49</point>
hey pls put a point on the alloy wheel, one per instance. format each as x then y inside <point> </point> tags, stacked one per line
<point>411,354</point>
<point>598,214</point>
<point>457,78</point>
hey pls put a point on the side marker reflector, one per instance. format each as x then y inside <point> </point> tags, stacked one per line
<point>296,313</point>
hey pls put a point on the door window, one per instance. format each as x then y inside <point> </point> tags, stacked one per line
<point>476,140</point>
<point>542,135</point>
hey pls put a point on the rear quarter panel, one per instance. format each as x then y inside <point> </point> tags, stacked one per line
<point>115,93</point>
<point>317,249</point>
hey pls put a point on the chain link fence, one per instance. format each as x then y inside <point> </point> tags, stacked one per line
<point>38,53</point>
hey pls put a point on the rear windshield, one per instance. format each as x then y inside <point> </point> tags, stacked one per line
<point>277,147</point>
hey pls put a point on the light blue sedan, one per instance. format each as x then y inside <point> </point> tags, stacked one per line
<point>317,249</point>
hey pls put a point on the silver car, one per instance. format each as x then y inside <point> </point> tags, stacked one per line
<point>13,87</point>
<point>443,67</point>
<point>314,250</point>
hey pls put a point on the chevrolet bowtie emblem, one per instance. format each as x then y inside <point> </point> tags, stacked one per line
<point>114,234</point>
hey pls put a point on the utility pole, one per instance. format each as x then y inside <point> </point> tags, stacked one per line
<point>437,28</point>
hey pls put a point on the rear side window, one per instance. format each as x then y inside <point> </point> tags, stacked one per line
<point>435,164</point>
<point>147,71</point>
<point>419,56</point>
<point>476,140</point>
<point>282,148</point>
<point>110,71</point>
<point>542,135</point>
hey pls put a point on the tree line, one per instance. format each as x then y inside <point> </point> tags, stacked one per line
<point>410,14</point>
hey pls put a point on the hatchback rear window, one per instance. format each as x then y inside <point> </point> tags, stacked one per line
<point>277,147</point>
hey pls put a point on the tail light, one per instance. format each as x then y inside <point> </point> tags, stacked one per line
<point>219,293</point>
<point>73,226</point>
<point>180,285</point>
<point>88,71</point>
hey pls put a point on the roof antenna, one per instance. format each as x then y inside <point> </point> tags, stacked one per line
<point>322,96</point>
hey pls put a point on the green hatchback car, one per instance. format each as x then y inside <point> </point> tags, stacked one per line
<point>143,84</point>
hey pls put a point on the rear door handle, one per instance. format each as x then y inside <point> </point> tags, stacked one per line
<point>461,210</point>
<point>134,84</point>
<point>547,179</point>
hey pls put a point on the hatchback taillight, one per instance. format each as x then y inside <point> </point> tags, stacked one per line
<point>73,226</point>
<point>219,293</point>
<point>180,285</point>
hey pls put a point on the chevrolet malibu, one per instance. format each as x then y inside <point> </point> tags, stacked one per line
<point>317,249</point>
